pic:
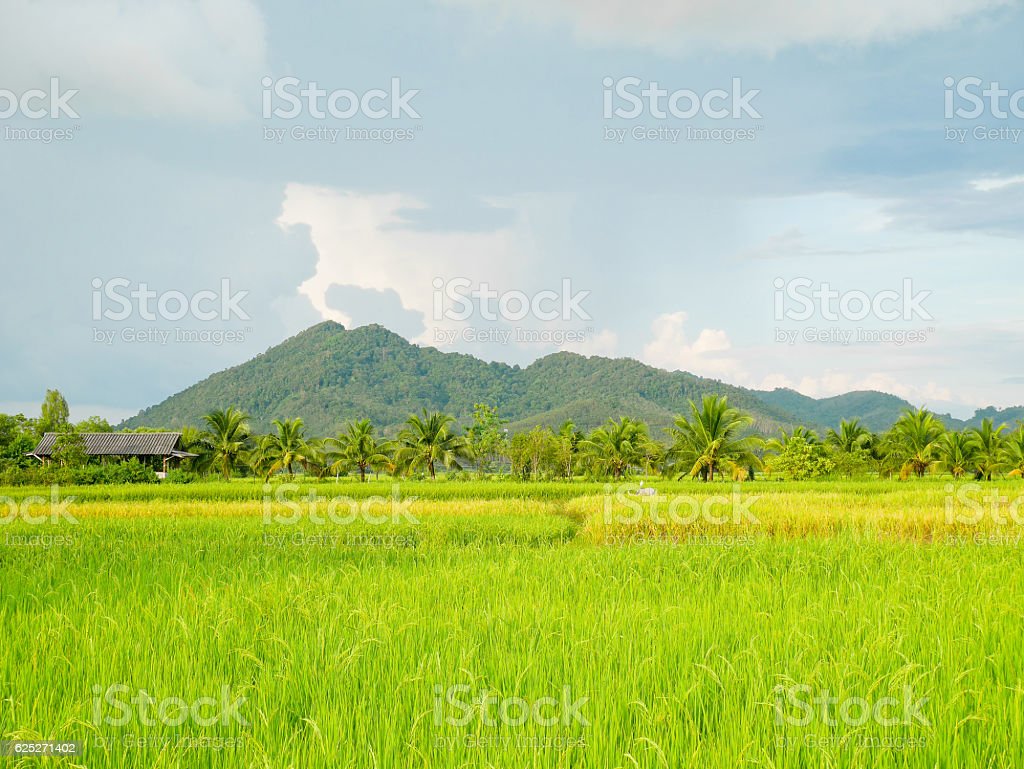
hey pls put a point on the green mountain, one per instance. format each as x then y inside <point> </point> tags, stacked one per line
<point>329,375</point>
<point>875,409</point>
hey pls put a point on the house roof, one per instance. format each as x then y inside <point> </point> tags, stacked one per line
<point>120,444</point>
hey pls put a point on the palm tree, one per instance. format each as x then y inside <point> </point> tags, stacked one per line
<point>226,439</point>
<point>851,437</point>
<point>914,439</point>
<point>285,449</point>
<point>778,445</point>
<point>851,446</point>
<point>956,452</point>
<point>617,446</point>
<point>988,447</point>
<point>1013,453</point>
<point>357,447</point>
<point>427,440</point>
<point>711,439</point>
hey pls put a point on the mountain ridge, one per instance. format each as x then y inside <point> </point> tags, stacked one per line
<point>329,375</point>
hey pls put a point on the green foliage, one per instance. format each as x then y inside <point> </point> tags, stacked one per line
<point>913,441</point>
<point>618,447</point>
<point>488,437</point>
<point>713,439</point>
<point>54,413</point>
<point>429,440</point>
<point>956,452</point>
<point>987,442</point>
<point>94,425</point>
<point>800,459</point>
<point>357,448</point>
<point>533,454</point>
<point>283,450</point>
<point>225,442</point>
<point>69,449</point>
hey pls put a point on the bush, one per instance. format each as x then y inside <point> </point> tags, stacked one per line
<point>132,471</point>
<point>181,476</point>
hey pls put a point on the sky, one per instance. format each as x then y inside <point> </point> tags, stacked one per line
<point>772,193</point>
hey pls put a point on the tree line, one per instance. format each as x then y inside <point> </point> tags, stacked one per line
<point>713,441</point>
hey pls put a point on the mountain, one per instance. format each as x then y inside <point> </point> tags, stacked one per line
<point>876,410</point>
<point>329,375</point>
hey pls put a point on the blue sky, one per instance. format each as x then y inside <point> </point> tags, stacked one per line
<point>507,170</point>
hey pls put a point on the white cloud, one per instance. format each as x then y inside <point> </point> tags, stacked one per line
<point>604,343</point>
<point>365,241</point>
<point>990,183</point>
<point>670,349</point>
<point>758,25</point>
<point>198,60</point>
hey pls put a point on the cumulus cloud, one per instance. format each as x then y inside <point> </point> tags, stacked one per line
<point>370,242</point>
<point>604,343</point>
<point>757,25</point>
<point>165,58</point>
<point>670,348</point>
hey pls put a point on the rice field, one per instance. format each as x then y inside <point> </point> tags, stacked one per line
<point>498,624</point>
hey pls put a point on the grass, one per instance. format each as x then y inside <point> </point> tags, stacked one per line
<point>687,643</point>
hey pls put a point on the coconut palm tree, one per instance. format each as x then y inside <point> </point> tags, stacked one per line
<point>617,446</point>
<point>226,439</point>
<point>285,449</point>
<point>988,448</point>
<point>1013,453</point>
<point>356,447</point>
<point>956,452</point>
<point>711,440</point>
<point>778,445</point>
<point>427,440</point>
<point>852,436</point>
<point>913,440</point>
<point>851,446</point>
